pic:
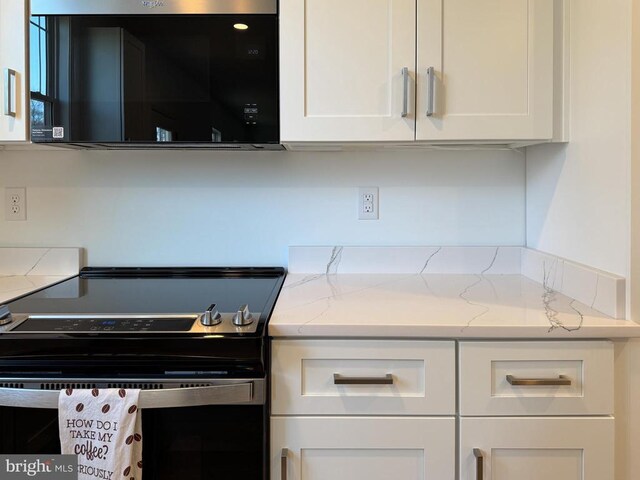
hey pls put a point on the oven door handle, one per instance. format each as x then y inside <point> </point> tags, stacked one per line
<point>197,396</point>
<point>237,393</point>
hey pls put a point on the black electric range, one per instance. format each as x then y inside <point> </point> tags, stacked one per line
<point>192,339</point>
<point>160,319</point>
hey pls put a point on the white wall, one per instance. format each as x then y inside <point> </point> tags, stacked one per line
<point>578,194</point>
<point>199,208</point>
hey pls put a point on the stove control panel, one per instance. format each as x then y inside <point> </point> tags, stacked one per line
<point>43,324</point>
<point>211,322</point>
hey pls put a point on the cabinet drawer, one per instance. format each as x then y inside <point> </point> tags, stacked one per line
<point>363,448</point>
<point>546,448</point>
<point>536,378</point>
<point>362,377</point>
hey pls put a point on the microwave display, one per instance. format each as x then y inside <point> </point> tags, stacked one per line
<point>154,79</point>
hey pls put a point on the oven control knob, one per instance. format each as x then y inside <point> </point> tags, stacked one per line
<point>5,315</point>
<point>243,317</point>
<point>211,317</point>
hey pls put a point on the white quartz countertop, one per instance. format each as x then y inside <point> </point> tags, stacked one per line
<point>435,305</point>
<point>25,270</point>
<point>14,286</point>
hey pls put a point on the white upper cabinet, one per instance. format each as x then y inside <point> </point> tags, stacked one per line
<point>492,64</point>
<point>341,70</point>
<point>14,113</point>
<point>342,61</point>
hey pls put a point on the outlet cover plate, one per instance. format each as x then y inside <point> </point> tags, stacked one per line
<point>15,204</point>
<point>368,203</point>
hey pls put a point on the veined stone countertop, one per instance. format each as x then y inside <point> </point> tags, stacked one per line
<point>25,270</point>
<point>440,305</point>
<point>14,286</point>
<point>482,304</point>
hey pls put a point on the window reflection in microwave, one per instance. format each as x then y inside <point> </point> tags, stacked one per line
<point>155,78</point>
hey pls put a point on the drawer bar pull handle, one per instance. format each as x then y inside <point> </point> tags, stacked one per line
<point>283,463</point>
<point>340,380</point>
<point>479,463</point>
<point>539,382</point>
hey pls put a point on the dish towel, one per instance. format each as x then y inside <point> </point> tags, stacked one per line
<point>104,428</point>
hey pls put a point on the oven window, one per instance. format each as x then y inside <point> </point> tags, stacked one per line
<point>221,442</point>
<point>195,443</point>
<point>28,431</point>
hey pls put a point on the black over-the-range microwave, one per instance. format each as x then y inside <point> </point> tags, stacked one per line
<point>155,73</point>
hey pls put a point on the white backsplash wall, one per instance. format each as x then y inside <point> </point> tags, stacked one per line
<point>214,208</point>
<point>578,200</point>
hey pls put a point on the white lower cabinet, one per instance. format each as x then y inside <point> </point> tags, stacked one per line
<point>547,448</point>
<point>390,410</point>
<point>363,377</point>
<point>363,448</point>
<point>536,410</point>
<point>536,378</point>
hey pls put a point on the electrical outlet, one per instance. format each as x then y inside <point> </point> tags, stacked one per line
<point>368,203</point>
<point>15,204</point>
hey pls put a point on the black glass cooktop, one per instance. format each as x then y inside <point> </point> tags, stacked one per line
<point>147,299</point>
<point>142,322</point>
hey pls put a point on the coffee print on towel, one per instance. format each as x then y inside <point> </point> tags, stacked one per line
<point>103,427</point>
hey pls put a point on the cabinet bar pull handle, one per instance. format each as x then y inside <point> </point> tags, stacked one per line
<point>405,92</point>
<point>283,463</point>
<point>479,463</point>
<point>539,382</point>
<point>340,380</point>
<point>9,93</point>
<point>431,91</point>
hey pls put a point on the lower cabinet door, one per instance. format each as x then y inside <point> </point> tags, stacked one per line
<point>364,448</point>
<point>546,448</point>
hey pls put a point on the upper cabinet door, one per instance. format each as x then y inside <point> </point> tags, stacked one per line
<point>14,114</point>
<point>492,64</point>
<point>341,70</point>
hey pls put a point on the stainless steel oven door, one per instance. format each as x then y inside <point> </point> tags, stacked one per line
<point>197,431</point>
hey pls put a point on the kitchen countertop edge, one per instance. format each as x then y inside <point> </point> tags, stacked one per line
<point>349,306</point>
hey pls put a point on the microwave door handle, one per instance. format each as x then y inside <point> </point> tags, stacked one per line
<point>169,398</point>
